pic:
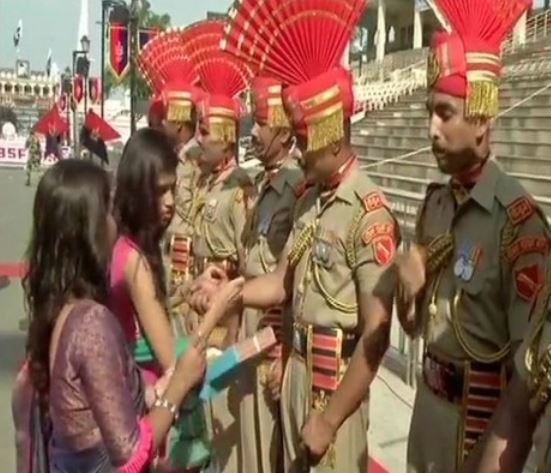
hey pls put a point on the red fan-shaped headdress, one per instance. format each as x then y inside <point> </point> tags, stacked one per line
<point>465,61</point>
<point>170,75</point>
<point>267,102</point>
<point>222,76</point>
<point>300,43</point>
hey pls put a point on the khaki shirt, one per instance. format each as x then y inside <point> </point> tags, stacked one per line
<point>271,219</point>
<point>221,220</point>
<point>186,197</point>
<point>478,301</point>
<point>349,252</point>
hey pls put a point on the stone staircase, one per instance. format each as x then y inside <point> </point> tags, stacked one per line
<point>399,133</point>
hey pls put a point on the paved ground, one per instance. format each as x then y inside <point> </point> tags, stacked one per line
<point>15,219</point>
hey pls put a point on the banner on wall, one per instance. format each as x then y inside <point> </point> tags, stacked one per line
<point>14,154</point>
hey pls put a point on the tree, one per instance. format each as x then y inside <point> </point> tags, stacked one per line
<point>147,19</point>
<point>7,114</point>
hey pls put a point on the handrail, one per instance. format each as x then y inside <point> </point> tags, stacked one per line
<point>427,148</point>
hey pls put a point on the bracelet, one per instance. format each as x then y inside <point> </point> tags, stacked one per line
<point>166,404</point>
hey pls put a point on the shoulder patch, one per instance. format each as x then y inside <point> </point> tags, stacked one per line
<point>376,230</point>
<point>384,248</point>
<point>520,210</point>
<point>528,282</point>
<point>525,245</point>
<point>373,201</point>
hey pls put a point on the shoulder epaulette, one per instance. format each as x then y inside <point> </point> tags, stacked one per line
<point>518,204</point>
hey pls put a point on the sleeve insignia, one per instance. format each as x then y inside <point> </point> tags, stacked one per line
<point>527,244</point>
<point>528,281</point>
<point>520,210</point>
<point>383,249</point>
<point>373,201</point>
<point>375,230</point>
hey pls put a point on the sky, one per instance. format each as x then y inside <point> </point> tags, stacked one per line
<point>54,24</point>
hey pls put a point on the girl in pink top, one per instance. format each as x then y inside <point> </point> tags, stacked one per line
<point>144,207</point>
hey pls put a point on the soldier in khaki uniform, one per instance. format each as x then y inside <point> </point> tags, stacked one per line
<point>173,108</point>
<point>34,156</point>
<point>479,254</point>
<point>217,237</point>
<point>338,274</point>
<point>269,225</point>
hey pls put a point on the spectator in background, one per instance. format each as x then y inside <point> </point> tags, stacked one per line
<point>34,155</point>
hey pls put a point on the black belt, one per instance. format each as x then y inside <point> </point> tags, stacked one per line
<point>324,340</point>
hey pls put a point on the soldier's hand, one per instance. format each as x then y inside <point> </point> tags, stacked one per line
<point>228,296</point>
<point>411,271</point>
<point>317,434</point>
<point>273,381</point>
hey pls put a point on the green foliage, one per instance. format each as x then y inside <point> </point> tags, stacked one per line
<point>147,19</point>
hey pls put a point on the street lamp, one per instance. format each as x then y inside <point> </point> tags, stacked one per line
<point>85,44</point>
<point>66,88</point>
<point>81,66</point>
<point>135,6</point>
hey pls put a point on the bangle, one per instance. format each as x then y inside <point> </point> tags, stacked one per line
<point>164,403</point>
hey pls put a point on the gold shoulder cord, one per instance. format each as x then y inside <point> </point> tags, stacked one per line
<point>539,367</point>
<point>301,243</point>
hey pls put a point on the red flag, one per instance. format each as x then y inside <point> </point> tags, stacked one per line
<point>78,88</point>
<point>99,127</point>
<point>119,50</point>
<point>51,123</point>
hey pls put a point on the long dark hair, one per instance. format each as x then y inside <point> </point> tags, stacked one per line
<point>68,254</point>
<point>148,154</point>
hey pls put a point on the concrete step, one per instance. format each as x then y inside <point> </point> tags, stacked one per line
<point>417,186</point>
<point>503,146</point>
<point>509,95</point>
<point>512,164</point>
<point>407,144</point>
<point>535,184</point>
<point>419,110</point>
<point>534,135</point>
<point>518,120</point>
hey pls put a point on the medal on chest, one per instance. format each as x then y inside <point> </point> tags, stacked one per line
<point>467,261</point>
<point>210,209</point>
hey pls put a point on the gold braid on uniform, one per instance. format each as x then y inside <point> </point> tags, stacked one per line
<point>351,239</point>
<point>301,243</point>
<point>439,252</point>
<point>539,367</point>
<point>508,235</point>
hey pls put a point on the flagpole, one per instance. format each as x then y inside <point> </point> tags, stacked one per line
<point>104,7</point>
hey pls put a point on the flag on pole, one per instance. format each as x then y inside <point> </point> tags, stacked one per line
<point>94,89</point>
<point>119,50</point>
<point>49,63</point>
<point>78,89</point>
<point>18,34</point>
<point>146,35</point>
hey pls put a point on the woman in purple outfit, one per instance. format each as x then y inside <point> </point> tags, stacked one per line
<point>87,400</point>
